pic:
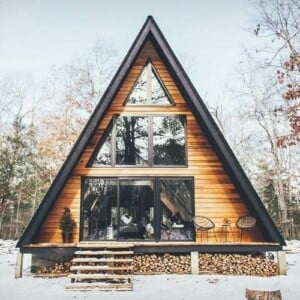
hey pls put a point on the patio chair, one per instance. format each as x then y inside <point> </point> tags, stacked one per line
<point>204,224</point>
<point>246,223</point>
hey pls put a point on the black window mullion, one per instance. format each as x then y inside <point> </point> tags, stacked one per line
<point>150,142</point>
<point>118,208</point>
<point>157,210</point>
<point>113,142</point>
<point>149,84</point>
<point>185,140</point>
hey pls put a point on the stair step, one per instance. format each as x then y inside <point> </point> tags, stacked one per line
<point>100,260</point>
<point>99,286</point>
<point>103,252</point>
<point>100,268</point>
<point>99,276</point>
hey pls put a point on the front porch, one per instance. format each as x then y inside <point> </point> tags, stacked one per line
<point>159,247</point>
<point>192,252</point>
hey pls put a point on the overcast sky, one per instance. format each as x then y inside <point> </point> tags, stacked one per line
<point>35,34</point>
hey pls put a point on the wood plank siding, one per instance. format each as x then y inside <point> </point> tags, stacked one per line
<point>215,195</point>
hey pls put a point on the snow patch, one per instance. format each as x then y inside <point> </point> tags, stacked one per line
<point>8,247</point>
<point>158,287</point>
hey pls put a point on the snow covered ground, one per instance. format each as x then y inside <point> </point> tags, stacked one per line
<point>158,287</point>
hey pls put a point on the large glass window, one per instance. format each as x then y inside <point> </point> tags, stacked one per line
<point>137,209</point>
<point>176,199</point>
<point>143,141</point>
<point>169,140</point>
<point>99,209</point>
<point>132,141</point>
<point>149,89</point>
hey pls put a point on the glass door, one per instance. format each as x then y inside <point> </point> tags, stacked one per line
<point>99,208</point>
<point>136,209</point>
<point>176,209</point>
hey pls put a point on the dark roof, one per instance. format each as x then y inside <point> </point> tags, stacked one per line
<point>151,31</point>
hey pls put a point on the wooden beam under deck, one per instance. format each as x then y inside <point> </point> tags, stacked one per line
<point>161,247</point>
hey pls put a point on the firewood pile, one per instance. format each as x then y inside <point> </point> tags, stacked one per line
<point>237,264</point>
<point>227,264</point>
<point>233,264</point>
<point>164,263</point>
<point>58,268</point>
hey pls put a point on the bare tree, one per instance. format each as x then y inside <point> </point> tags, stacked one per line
<point>72,94</point>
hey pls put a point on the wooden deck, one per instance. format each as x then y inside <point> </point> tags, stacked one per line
<point>97,244</point>
<point>160,247</point>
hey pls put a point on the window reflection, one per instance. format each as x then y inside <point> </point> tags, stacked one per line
<point>148,89</point>
<point>132,213</point>
<point>99,209</point>
<point>169,140</point>
<point>132,141</point>
<point>143,141</point>
<point>177,212</point>
<point>103,157</point>
<point>139,92</point>
<point>136,209</point>
<point>158,95</point>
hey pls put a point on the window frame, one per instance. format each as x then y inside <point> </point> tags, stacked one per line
<point>112,128</point>
<point>157,203</point>
<point>148,66</point>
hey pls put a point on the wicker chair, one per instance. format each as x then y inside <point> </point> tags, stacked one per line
<point>204,224</point>
<point>246,223</point>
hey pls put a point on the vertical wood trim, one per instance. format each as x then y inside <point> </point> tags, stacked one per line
<point>19,266</point>
<point>195,262</point>
<point>281,260</point>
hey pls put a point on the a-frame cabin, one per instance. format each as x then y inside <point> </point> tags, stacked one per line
<point>149,160</point>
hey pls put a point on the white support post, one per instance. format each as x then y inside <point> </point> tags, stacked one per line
<point>281,261</point>
<point>195,262</point>
<point>19,265</point>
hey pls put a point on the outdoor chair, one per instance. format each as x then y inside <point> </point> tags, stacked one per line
<point>204,224</point>
<point>246,223</point>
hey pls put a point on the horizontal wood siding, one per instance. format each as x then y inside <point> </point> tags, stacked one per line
<point>215,195</point>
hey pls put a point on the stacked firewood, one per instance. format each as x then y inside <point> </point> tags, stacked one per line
<point>164,263</point>
<point>58,268</point>
<point>233,264</point>
<point>227,264</point>
<point>237,264</point>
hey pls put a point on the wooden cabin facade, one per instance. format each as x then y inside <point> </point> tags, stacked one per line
<point>149,162</point>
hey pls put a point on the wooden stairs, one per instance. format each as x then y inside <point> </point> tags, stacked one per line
<point>102,267</point>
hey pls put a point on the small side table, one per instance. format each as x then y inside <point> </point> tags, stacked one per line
<point>226,230</point>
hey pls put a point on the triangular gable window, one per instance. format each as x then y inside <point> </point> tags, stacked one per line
<point>149,89</point>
